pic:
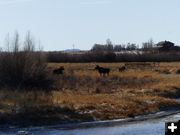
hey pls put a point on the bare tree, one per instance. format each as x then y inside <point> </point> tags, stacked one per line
<point>16,43</point>
<point>23,67</point>
<point>148,45</point>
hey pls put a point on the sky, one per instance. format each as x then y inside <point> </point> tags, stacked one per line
<point>58,24</point>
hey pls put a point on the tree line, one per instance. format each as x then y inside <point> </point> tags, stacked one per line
<point>123,47</point>
<point>164,51</point>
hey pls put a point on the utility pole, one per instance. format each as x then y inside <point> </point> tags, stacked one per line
<point>73,48</point>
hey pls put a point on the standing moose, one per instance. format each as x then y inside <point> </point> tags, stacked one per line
<point>59,70</point>
<point>102,71</point>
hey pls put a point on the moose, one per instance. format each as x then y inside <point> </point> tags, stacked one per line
<point>102,71</point>
<point>121,69</point>
<point>59,70</point>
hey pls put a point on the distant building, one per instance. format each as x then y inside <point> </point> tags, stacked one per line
<point>167,46</point>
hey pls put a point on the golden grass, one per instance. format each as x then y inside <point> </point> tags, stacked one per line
<point>141,91</point>
<point>111,106</point>
<point>83,91</point>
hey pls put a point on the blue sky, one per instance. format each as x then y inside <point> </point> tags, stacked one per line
<point>59,24</point>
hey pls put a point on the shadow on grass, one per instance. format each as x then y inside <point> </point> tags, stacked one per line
<point>45,115</point>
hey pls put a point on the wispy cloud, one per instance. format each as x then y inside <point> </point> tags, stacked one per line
<point>95,2</point>
<point>7,2</point>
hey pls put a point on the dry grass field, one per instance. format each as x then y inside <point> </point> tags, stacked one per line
<point>81,94</point>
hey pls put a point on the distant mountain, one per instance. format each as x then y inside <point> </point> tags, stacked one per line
<point>72,50</point>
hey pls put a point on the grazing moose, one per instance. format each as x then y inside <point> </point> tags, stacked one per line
<point>59,70</point>
<point>121,69</point>
<point>102,71</point>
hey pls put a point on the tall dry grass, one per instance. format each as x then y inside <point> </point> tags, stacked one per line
<point>116,95</point>
<point>81,94</point>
